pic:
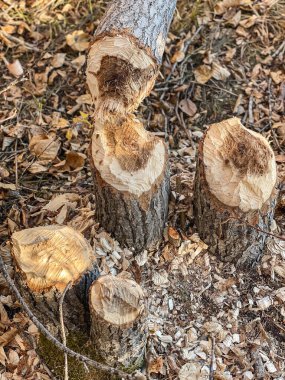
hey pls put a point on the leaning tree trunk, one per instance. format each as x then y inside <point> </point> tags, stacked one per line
<point>130,165</point>
<point>235,191</point>
<point>118,315</point>
<point>53,259</point>
<point>131,180</point>
<point>124,58</point>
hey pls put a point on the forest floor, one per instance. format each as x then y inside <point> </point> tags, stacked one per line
<point>208,319</point>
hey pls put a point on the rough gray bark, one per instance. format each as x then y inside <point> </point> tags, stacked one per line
<point>146,20</point>
<point>136,222</point>
<point>227,230</point>
<point>118,333</point>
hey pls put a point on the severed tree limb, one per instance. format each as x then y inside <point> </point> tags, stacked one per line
<point>56,342</point>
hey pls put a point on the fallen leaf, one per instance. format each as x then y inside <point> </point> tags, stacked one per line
<point>188,107</point>
<point>7,186</point>
<point>73,161</point>
<point>222,6</point>
<point>280,158</point>
<point>15,68</point>
<point>78,40</point>
<point>45,148</point>
<point>58,60</point>
<point>13,357</point>
<point>249,22</point>
<point>78,62</point>
<point>8,336</point>
<point>59,200</point>
<point>37,168</point>
<point>220,72</point>
<point>156,365</point>
<point>178,56</point>
<point>277,76</point>
<point>203,73</point>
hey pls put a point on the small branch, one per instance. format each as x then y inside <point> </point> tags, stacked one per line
<point>63,329</point>
<point>18,41</point>
<point>13,83</point>
<point>211,374</point>
<point>51,338</point>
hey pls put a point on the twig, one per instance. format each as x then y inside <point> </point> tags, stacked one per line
<point>250,112</point>
<point>63,329</point>
<point>55,341</point>
<point>256,228</point>
<point>13,83</point>
<point>18,41</point>
<point>16,165</point>
<point>281,47</point>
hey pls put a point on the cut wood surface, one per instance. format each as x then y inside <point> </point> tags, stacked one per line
<point>234,190</point>
<point>123,60</point>
<point>131,179</point>
<point>118,321</point>
<point>48,259</point>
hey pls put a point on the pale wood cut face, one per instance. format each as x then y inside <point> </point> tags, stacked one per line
<point>240,167</point>
<point>119,75</point>
<point>51,256</point>
<point>118,301</point>
<point>127,156</point>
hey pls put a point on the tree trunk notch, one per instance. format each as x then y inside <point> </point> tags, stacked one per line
<point>118,316</point>
<point>131,178</point>
<point>124,58</point>
<point>235,191</point>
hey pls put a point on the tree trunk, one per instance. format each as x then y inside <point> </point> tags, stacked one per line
<point>131,180</point>
<point>235,191</point>
<point>118,316</point>
<point>124,58</point>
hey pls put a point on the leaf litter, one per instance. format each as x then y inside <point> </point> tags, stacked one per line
<point>222,58</point>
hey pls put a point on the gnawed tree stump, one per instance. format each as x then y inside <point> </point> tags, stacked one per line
<point>47,260</point>
<point>118,316</point>
<point>235,188</point>
<point>131,180</point>
<point>124,58</point>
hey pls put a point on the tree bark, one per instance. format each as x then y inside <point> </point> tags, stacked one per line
<point>131,180</point>
<point>118,316</point>
<point>235,192</point>
<point>123,60</point>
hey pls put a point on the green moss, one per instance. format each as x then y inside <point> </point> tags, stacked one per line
<point>54,359</point>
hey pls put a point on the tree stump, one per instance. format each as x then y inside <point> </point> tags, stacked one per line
<point>124,58</point>
<point>131,180</point>
<point>47,260</point>
<point>118,316</point>
<point>235,191</point>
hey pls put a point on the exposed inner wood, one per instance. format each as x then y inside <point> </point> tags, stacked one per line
<point>51,256</point>
<point>240,168</point>
<point>119,74</point>
<point>127,156</point>
<point>117,300</point>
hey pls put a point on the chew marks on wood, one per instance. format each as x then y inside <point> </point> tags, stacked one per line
<point>124,58</point>
<point>234,190</point>
<point>131,179</point>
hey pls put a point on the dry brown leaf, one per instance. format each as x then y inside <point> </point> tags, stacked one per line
<point>234,21</point>
<point>45,148</point>
<point>220,72</point>
<point>37,168</point>
<point>60,200</point>
<point>230,54</point>
<point>78,62</point>
<point>3,356</point>
<point>13,357</point>
<point>78,40</point>
<point>156,365</point>
<point>222,6</point>
<point>8,336</point>
<point>15,68</point>
<point>203,73</point>
<point>7,186</point>
<point>188,107</point>
<point>58,60</point>
<point>178,56</point>
<point>278,76</point>
<point>280,158</point>
<point>249,22</point>
<point>73,161</point>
